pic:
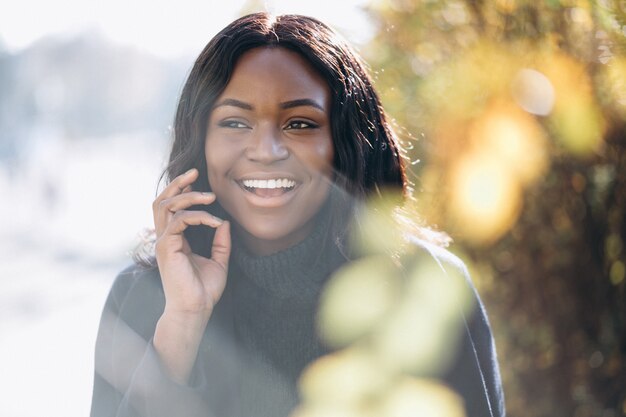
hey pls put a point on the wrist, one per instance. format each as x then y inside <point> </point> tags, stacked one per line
<point>177,337</point>
<point>185,318</point>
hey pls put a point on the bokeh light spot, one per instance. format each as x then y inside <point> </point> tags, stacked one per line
<point>485,201</point>
<point>533,91</point>
<point>344,378</point>
<point>617,273</point>
<point>423,398</point>
<point>356,298</point>
<point>515,139</point>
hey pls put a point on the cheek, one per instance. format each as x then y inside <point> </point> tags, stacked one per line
<point>215,161</point>
<point>324,155</point>
<point>318,155</point>
<point>327,151</point>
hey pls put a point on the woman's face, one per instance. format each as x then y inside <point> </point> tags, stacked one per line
<point>269,148</point>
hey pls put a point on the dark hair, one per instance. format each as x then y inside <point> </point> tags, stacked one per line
<point>367,154</point>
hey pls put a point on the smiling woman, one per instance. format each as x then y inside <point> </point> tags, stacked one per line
<point>269,149</point>
<point>280,133</point>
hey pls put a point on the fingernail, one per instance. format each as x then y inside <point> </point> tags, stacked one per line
<point>207,193</point>
<point>189,172</point>
<point>218,219</point>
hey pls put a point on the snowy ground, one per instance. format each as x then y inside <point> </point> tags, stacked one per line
<point>69,215</point>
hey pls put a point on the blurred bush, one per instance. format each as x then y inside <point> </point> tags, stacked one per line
<point>517,113</point>
<point>394,318</point>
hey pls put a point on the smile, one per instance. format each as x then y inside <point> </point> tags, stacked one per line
<point>281,183</point>
<point>272,192</point>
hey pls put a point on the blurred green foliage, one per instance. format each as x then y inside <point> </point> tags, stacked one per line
<point>392,318</point>
<point>517,111</point>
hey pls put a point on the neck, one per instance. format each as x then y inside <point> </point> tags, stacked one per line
<point>264,246</point>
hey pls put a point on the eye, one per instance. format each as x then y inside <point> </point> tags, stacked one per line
<point>300,124</point>
<point>233,124</point>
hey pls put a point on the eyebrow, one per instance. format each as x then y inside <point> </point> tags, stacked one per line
<point>301,102</point>
<point>235,103</point>
<point>284,105</point>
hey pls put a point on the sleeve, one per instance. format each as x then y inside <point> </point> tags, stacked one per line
<point>129,380</point>
<point>474,374</point>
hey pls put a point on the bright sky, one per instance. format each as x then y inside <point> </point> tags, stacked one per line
<point>164,27</point>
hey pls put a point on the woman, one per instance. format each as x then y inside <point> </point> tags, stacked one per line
<point>277,124</point>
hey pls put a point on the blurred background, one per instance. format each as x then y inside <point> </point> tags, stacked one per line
<point>514,114</point>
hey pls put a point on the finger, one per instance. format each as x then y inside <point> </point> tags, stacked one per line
<point>177,186</point>
<point>220,251</point>
<point>168,207</point>
<point>186,200</point>
<point>183,219</point>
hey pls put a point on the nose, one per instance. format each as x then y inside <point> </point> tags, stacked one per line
<point>267,146</point>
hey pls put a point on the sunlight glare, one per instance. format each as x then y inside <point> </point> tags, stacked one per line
<point>485,198</point>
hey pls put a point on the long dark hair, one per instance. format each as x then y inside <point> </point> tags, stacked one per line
<point>367,153</point>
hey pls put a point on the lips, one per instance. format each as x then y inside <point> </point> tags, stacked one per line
<point>272,190</point>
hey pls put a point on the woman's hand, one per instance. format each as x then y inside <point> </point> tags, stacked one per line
<point>192,283</point>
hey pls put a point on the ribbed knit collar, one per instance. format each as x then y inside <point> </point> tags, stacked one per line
<point>295,274</point>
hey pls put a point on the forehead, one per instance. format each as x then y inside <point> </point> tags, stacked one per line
<point>268,73</point>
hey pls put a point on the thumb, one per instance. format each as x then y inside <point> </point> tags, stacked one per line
<point>220,250</point>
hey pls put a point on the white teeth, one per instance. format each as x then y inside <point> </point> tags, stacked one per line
<point>275,183</point>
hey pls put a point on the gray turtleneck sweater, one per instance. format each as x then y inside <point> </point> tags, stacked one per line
<point>258,341</point>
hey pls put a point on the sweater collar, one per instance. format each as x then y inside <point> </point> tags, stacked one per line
<point>297,273</point>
